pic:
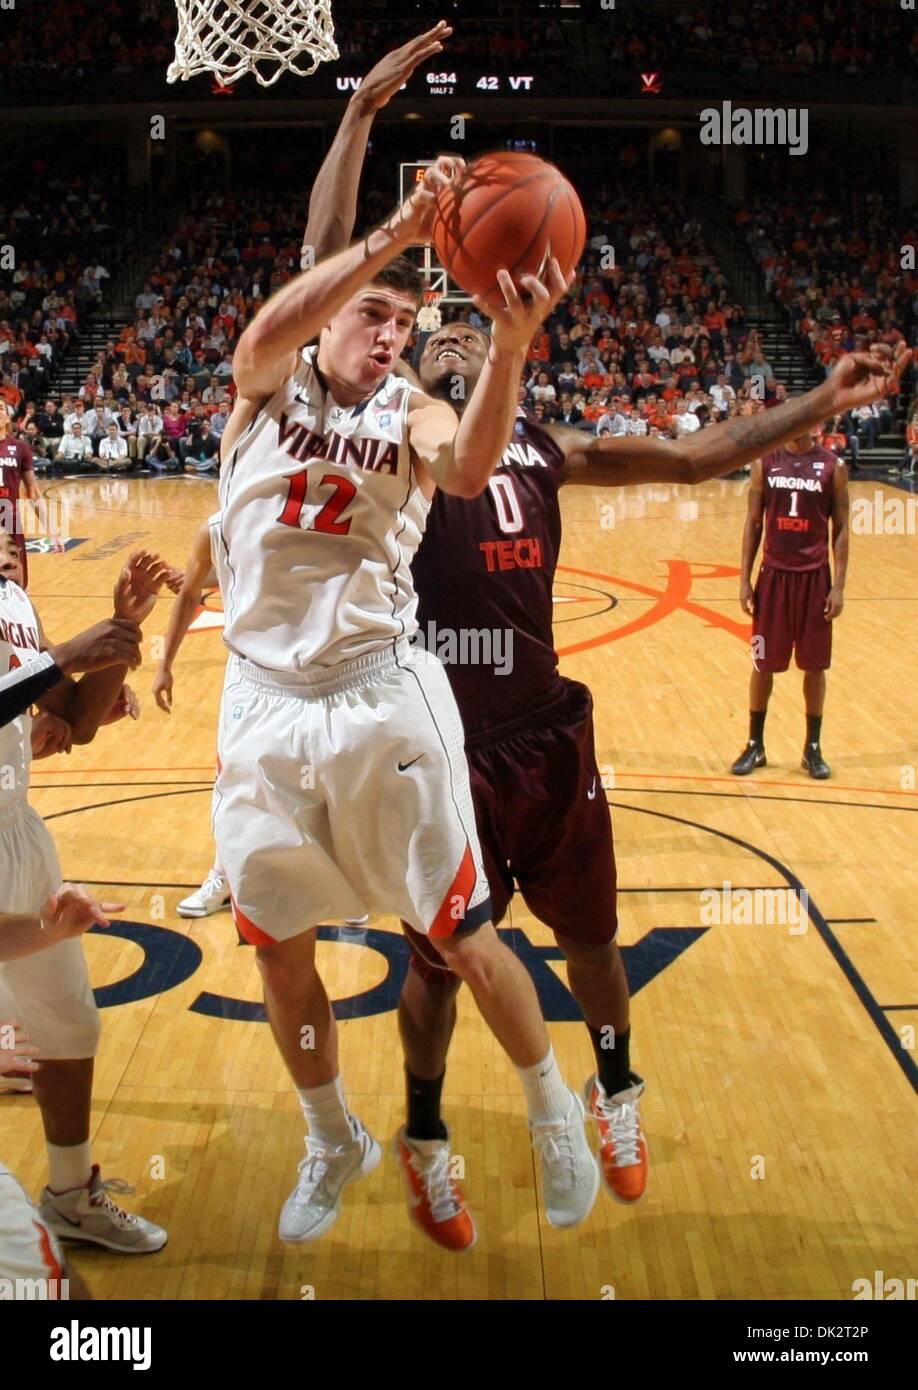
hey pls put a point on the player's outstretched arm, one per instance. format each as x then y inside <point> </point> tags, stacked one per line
<point>333,201</point>
<point>857,379</point>
<point>752,534</point>
<point>266,353</point>
<point>198,573</point>
<point>86,703</point>
<point>461,461</point>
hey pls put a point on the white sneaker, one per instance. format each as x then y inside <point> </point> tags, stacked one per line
<point>89,1214</point>
<point>212,896</point>
<point>312,1206</point>
<point>357,921</point>
<point>570,1173</point>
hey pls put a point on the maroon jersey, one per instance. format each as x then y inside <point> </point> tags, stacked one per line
<point>798,505</point>
<point>15,460</point>
<point>488,564</point>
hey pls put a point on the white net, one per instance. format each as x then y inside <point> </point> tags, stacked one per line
<point>264,37</point>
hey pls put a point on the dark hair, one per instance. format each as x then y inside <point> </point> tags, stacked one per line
<point>402,274</point>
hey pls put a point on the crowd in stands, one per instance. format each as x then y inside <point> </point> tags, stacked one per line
<point>55,239</point>
<point>650,340</point>
<point>868,42</point>
<point>842,269</point>
<point>868,39</point>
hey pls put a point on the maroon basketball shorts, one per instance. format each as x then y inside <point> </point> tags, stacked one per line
<point>543,820</point>
<point>789,616</point>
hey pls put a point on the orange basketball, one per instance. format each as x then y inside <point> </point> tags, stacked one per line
<point>508,211</point>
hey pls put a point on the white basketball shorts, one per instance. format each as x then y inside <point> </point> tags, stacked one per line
<point>30,1257</point>
<point>347,792</point>
<point>49,993</point>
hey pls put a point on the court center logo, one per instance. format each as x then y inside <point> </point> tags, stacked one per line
<point>574,602</point>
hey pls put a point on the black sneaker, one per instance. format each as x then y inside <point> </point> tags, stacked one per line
<point>814,763</point>
<point>753,756</point>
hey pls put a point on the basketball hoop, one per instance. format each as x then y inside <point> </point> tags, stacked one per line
<point>264,37</point>
<point>429,316</point>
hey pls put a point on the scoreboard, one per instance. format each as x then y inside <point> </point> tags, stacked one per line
<point>450,82</point>
<point>410,174</point>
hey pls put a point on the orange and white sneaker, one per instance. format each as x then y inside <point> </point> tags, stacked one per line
<point>622,1146</point>
<point>435,1202</point>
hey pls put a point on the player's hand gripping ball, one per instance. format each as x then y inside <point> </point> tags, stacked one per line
<point>507,211</point>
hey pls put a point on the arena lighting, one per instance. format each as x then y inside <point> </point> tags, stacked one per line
<point>412,115</point>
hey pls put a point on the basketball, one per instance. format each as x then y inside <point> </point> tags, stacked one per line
<point>509,210</point>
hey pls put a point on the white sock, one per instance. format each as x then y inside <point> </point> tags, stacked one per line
<point>547,1095</point>
<point>326,1113</point>
<point>70,1165</point>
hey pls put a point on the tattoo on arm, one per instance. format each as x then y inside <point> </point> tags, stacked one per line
<point>759,429</point>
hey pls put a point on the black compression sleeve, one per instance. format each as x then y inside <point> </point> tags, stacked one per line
<point>22,687</point>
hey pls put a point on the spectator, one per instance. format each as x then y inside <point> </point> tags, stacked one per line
<point>149,430</point>
<point>127,429</point>
<point>96,422</point>
<point>612,423</point>
<point>540,387</point>
<point>75,449</point>
<point>162,457</point>
<point>41,449</point>
<point>113,451</point>
<point>218,420</point>
<point>722,394</point>
<point>76,415</point>
<point>50,423</point>
<point>568,413</point>
<point>201,455</point>
<point>175,424</point>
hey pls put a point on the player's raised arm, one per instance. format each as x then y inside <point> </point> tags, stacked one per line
<point>462,461</point>
<point>333,201</point>
<point>198,573</point>
<point>266,354</point>
<point>857,379</point>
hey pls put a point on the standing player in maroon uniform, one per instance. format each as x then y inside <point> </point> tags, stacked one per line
<point>543,821</point>
<point>16,474</point>
<point>794,492</point>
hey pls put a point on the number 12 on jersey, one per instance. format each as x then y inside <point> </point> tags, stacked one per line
<point>326,519</point>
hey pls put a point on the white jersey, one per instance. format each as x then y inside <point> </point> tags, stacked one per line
<point>19,644</point>
<point>321,514</point>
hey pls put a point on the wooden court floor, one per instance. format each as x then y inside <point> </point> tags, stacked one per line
<point>780,1063</point>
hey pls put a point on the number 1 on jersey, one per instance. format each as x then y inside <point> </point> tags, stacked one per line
<point>793,504</point>
<point>326,519</point>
